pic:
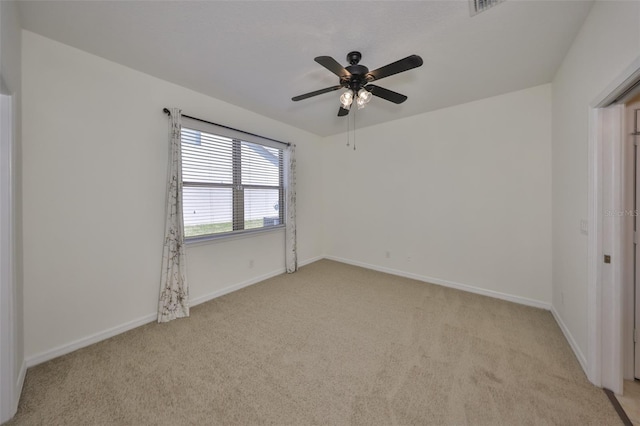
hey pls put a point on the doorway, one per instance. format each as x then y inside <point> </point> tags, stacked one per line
<point>629,221</point>
<point>610,266</point>
<point>631,242</point>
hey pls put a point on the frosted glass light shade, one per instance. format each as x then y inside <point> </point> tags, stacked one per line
<point>346,99</point>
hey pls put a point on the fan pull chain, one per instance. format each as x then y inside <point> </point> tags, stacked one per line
<point>354,129</point>
<point>353,114</point>
<point>347,131</point>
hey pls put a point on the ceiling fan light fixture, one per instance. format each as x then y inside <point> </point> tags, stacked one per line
<point>365,95</point>
<point>346,99</point>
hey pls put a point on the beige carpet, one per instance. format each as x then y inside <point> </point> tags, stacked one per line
<point>332,344</point>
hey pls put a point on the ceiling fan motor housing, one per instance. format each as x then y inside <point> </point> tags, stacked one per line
<point>357,78</point>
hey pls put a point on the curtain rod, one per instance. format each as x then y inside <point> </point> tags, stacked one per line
<point>166,111</point>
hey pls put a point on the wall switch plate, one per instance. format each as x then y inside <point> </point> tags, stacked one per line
<point>584,227</point>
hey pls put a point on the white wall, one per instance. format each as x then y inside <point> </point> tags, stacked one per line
<point>457,196</point>
<point>95,161</point>
<point>10,79</point>
<point>607,43</point>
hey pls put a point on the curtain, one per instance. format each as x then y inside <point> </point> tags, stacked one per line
<point>291,255</point>
<point>174,291</point>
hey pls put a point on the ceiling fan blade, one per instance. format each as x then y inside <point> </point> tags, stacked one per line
<point>332,65</point>
<point>402,65</point>
<point>386,94</point>
<point>342,112</point>
<point>316,93</point>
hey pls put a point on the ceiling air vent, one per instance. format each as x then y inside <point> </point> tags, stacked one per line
<point>477,6</point>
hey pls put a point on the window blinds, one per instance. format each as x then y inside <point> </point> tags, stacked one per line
<point>229,184</point>
<point>477,6</point>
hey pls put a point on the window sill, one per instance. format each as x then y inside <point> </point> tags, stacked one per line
<point>213,239</point>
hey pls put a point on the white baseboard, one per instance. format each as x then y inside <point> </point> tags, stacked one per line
<point>97,337</point>
<point>103,335</point>
<point>235,287</point>
<point>465,287</point>
<point>310,260</point>
<point>247,283</point>
<point>445,283</point>
<point>88,340</point>
<point>572,342</point>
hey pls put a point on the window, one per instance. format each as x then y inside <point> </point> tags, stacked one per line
<point>229,185</point>
<point>477,6</point>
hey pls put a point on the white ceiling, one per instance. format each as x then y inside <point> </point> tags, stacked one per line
<point>258,55</point>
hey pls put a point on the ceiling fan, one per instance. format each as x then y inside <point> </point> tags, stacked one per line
<point>357,79</point>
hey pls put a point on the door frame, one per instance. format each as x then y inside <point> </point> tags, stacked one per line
<point>631,367</point>
<point>605,293</point>
<point>8,364</point>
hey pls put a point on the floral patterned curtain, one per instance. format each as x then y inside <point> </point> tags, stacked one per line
<point>291,255</point>
<point>174,291</point>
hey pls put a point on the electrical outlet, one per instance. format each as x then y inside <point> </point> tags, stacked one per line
<point>250,263</point>
<point>387,254</point>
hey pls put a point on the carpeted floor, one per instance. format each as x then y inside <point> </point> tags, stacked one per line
<point>330,344</point>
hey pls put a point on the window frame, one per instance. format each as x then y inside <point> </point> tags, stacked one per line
<point>237,138</point>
